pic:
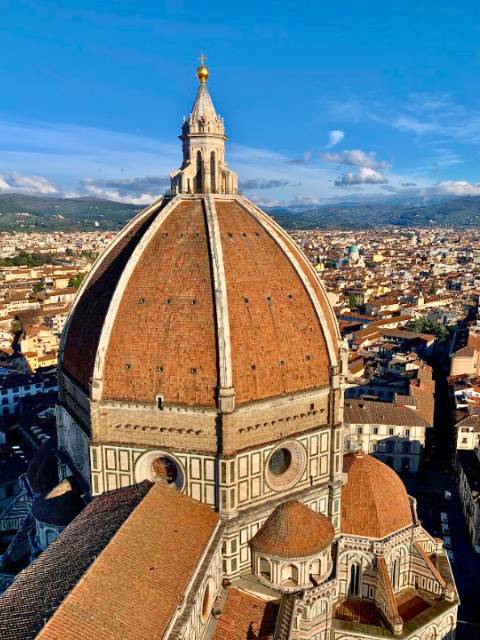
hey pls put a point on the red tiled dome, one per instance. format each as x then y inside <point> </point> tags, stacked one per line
<point>375,503</point>
<point>146,322</point>
<point>293,531</point>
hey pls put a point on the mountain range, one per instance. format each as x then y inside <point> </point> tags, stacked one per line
<point>46,213</point>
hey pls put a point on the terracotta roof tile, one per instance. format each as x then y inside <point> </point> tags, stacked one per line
<point>293,530</point>
<point>368,412</point>
<point>374,503</point>
<point>138,581</point>
<point>163,341</point>
<point>277,342</point>
<point>245,617</point>
<point>41,588</point>
<point>164,330</point>
<point>85,326</point>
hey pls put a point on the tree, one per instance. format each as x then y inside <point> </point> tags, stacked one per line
<point>424,325</point>
<point>76,281</point>
<point>352,301</point>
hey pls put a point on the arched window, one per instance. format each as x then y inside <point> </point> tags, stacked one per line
<point>265,569</point>
<point>207,600</point>
<point>320,608</point>
<point>354,580</point>
<point>396,573</point>
<point>315,568</point>
<point>289,575</point>
<point>213,172</point>
<point>199,176</point>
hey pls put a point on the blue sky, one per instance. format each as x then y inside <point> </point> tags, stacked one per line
<point>323,100</point>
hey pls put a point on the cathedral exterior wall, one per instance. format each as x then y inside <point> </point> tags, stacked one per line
<point>205,589</point>
<point>238,531</point>
<point>188,428</point>
<point>74,441</point>
<point>232,484</point>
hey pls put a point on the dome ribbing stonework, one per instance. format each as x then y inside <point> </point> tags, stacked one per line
<point>375,503</point>
<point>202,327</point>
<point>193,291</point>
<point>293,530</point>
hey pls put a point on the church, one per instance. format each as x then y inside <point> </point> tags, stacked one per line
<point>201,412</point>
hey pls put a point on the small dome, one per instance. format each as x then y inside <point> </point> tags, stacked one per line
<point>354,248</point>
<point>61,505</point>
<point>375,503</point>
<point>42,471</point>
<point>293,531</point>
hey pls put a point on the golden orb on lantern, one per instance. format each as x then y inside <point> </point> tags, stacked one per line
<point>202,71</point>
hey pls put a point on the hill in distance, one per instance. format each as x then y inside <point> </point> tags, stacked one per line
<point>45,213</point>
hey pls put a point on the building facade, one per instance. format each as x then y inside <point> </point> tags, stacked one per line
<point>395,434</point>
<point>201,396</point>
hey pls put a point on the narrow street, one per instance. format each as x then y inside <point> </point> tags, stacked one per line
<point>429,488</point>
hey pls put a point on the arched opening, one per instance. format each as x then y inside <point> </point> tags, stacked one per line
<point>213,173</point>
<point>354,580</point>
<point>289,575</point>
<point>396,574</point>
<point>320,608</point>
<point>316,568</point>
<point>199,175</point>
<point>265,569</point>
<point>207,600</point>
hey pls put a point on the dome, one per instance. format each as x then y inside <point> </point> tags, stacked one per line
<point>354,248</point>
<point>61,505</point>
<point>375,503</point>
<point>200,295</point>
<point>293,531</point>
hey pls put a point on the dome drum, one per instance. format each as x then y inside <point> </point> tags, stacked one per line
<point>292,549</point>
<point>292,574</point>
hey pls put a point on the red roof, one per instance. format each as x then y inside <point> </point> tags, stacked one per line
<point>374,503</point>
<point>293,531</point>
<point>164,339</point>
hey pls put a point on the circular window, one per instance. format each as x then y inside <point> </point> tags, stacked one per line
<point>279,462</point>
<point>160,466</point>
<point>286,466</point>
<point>207,601</point>
<point>164,470</point>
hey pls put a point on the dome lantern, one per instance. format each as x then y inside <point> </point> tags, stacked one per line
<point>204,169</point>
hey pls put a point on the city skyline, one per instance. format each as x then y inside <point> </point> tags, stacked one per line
<point>358,103</point>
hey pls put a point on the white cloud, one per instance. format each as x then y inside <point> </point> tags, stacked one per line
<point>141,190</point>
<point>303,159</point>
<point>31,185</point>
<point>408,123</point>
<point>334,137</point>
<point>263,183</point>
<point>364,175</point>
<point>355,157</point>
<point>305,199</point>
<point>435,116</point>
<point>457,188</point>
